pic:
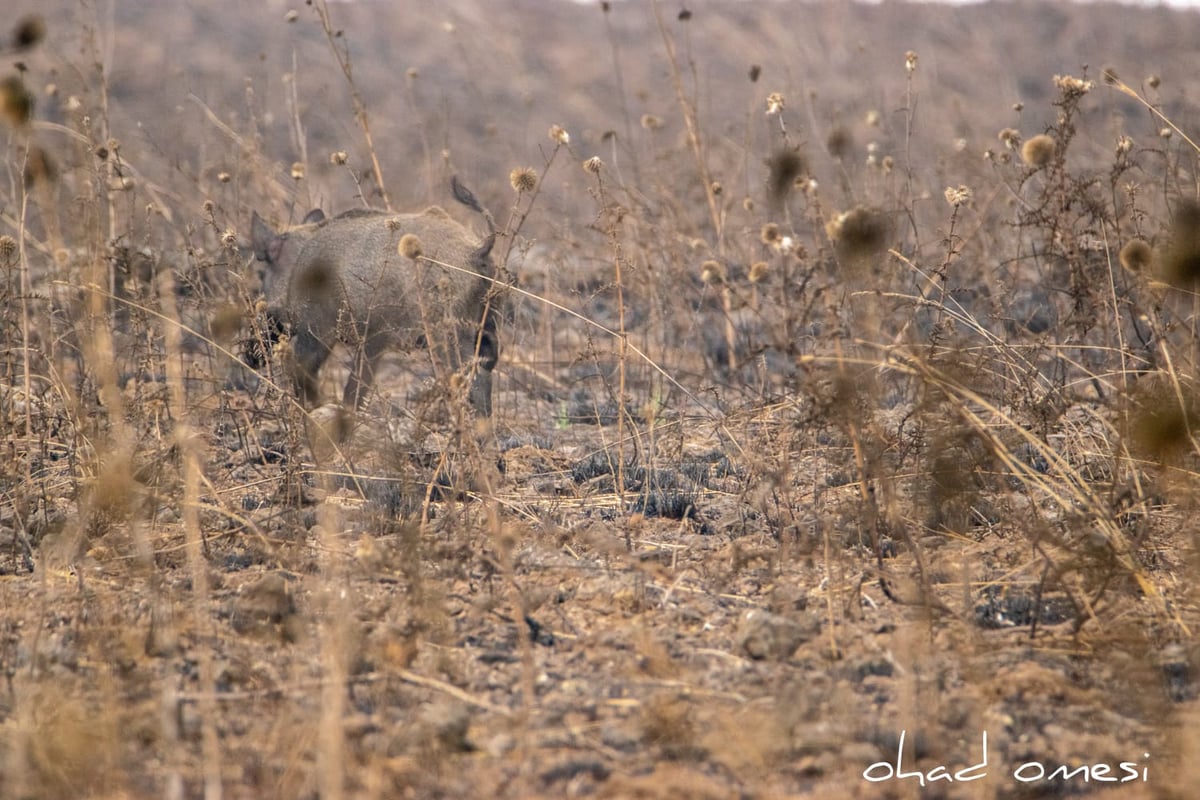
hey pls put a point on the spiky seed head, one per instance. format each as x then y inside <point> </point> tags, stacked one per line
<point>1153,81</point>
<point>784,168</point>
<point>1072,87</point>
<point>297,171</point>
<point>651,122</point>
<point>1163,413</point>
<point>958,195</point>
<point>1011,137</point>
<point>523,179</point>
<point>593,165</point>
<point>1136,255</point>
<point>769,234</point>
<point>747,204</point>
<point>888,164</point>
<point>410,246</point>
<point>338,158</point>
<point>228,238</point>
<point>16,102</point>
<point>1018,106</point>
<point>291,16</point>
<point>40,168</point>
<point>839,142</point>
<point>316,281</point>
<point>758,271</point>
<point>225,323</point>
<point>559,135</point>
<point>859,233</point>
<point>717,188</point>
<point>712,273</point>
<point>29,31</point>
<point>1124,145</point>
<point>910,61</point>
<point>8,250</point>
<point>1039,150</point>
<point>1181,261</point>
<point>774,103</point>
<point>282,350</point>
<point>872,119</point>
<point>224,177</point>
<point>1164,133</point>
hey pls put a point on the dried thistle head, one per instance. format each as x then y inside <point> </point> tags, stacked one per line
<point>1136,255</point>
<point>859,234</point>
<point>559,135</point>
<point>225,323</point>
<point>774,103</point>
<point>593,165</point>
<point>770,235</point>
<point>523,179</point>
<point>28,31</point>
<point>958,195</point>
<point>910,61</point>
<point>8,250</point>
<point>784,167</point>
<point>758,271</point>
<point>1039,150</point>
<point>39,167</point>
<point>410,246</point>
<point>297,171</point>
<point>1010,137</point>
<point>651,122</point>
<point>1181,262</point>
<point>1071,87</point>
<point>1164,416</point>
<point>712,273</point>
<point>839,142</point>
<point>16,101</point>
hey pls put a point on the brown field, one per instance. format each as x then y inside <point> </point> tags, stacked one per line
<point>849,395</point>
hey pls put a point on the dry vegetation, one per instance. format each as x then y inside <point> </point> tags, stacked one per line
<point>849,387</point>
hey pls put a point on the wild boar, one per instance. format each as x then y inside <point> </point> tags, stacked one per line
<point>379,281</point>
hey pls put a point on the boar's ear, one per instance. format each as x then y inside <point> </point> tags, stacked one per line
<point>316,215</point>
<point>262,237</point>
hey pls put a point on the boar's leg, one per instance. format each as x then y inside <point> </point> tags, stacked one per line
<point>483,350</point>
<point>362,374</point>
<point>308,354</point>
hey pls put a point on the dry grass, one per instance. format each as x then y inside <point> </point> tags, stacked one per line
<point>844,392</point>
